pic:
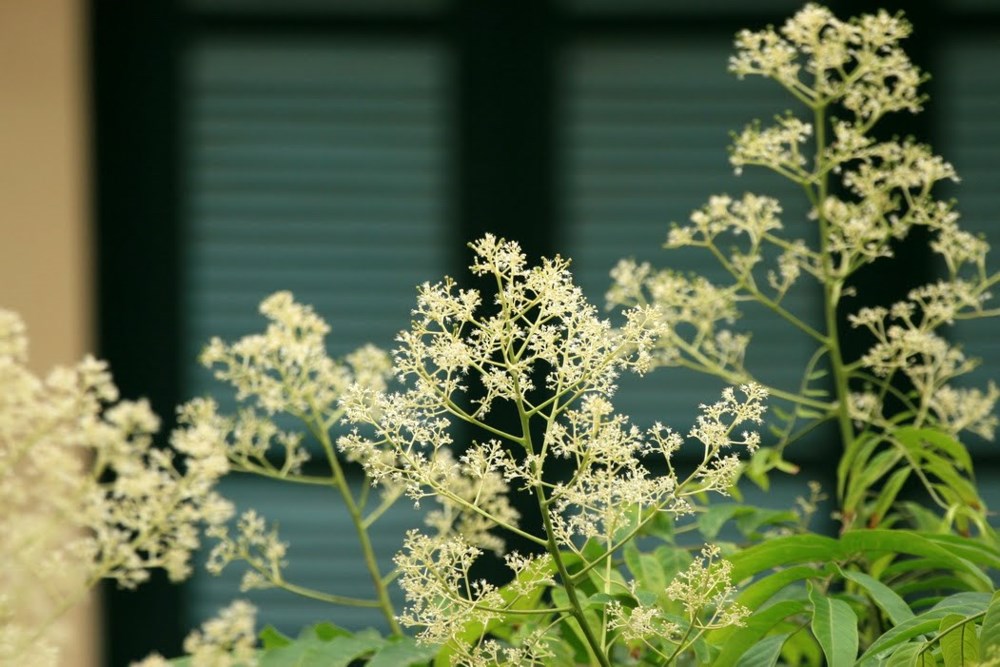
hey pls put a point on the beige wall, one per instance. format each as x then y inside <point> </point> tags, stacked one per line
<point>45,257</point>
<point>44,233</point>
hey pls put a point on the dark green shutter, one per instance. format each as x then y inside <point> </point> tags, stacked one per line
<point>317,167</point>
<point>967,92</point>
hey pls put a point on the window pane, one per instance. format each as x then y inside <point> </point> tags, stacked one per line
<point>316,168</point>
<point>967,93</point>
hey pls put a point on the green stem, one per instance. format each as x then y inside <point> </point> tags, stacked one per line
<point>832,291</point>
<point>553,547</point>
<point>360,527</point>
<point>326,597</point>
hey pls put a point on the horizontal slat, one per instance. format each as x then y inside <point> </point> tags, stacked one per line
<point>968,94</point>
<point>317,168</point>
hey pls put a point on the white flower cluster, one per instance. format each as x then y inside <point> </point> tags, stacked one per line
<point>695,315</point>
<point>906,344</point>
<point>86,493</point>
<point>543,354</point>
<point>544,325</point>
<point>228,640</point>
<point>820,58</point>
<point>287,370</point>
<point>441,595</point>
<point>707,586</point>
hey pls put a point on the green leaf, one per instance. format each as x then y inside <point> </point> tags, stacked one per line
<point>836,628</point>
<point>327,631</point>
<point>765,653</point>
<point>749,521</point>
<point>646,569</point>
<point>919,438</point>
<point>945,470</point>
<point>762,590</point>
<point>887,600</point>
<point>866,474</point>
<point>271,637</point>
<point>856,454</point>
<point>402,652</point>
<point>887,495</point>
<point>783,551</point>
<point>911,655</point>
<point>963,604</point>
<point>314,652</point>
<point>672,560</point>
<point>989,636</point>
<point>959,646</point>
<point>908,542</point>
<point>710,521</point>
<point>735,642</point>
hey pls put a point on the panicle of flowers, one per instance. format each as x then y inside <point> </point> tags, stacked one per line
<point>87,495</point>
<point>906,344</point>
<point>820,58</point>
<point>287,368</point>
<point>253,543</point>
<point>694,313</point>
<point>542,354</point>
<point>441,595</point>
<point>531,650</point>
<point>778,147</point>
<point>888,189</point>
<point>479,485</point>
<point>228,640</point>
<point>611,488</point>
<point>542,324</point>
<point>714,428</point>
<point>706,590</point>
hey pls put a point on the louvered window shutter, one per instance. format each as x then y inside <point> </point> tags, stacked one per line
<point>316,168</point>
<point>968,93</point>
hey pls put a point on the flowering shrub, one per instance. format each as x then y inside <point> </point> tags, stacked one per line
<point>897,407</point>
<point>527,364</point>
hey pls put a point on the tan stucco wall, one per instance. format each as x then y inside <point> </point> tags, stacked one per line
<point>45,257</point>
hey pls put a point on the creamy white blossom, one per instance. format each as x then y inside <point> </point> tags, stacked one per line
<point>541,353</point>
<point>87,493</point>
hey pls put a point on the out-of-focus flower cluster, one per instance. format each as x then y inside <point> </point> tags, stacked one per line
<point>286,369</point>
<point>821,59</point>
<point>228,640</point>
<point>86,494</point>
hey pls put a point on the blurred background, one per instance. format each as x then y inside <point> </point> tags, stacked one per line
<point>167,164</point>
